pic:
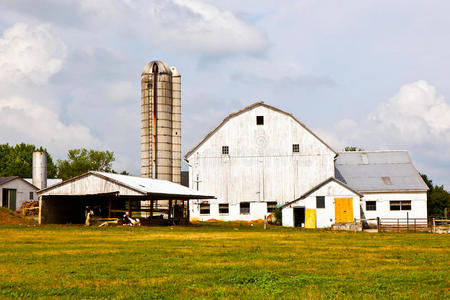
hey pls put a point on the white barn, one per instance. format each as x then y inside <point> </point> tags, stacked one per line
<point>261,157</point>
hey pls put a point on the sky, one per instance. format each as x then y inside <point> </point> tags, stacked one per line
<point>371,74</point>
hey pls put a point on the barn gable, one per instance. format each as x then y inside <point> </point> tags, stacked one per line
<point>258,135</point>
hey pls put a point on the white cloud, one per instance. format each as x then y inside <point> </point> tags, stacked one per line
<point>24,121</point>
<point>416,115</point>
<point>30,52</point>
<point>196,25</point>
<point>416,119</point>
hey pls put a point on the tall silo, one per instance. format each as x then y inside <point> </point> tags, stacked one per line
<point>161,122</point>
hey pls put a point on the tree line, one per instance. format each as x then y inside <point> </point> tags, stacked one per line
<point>18,161</point>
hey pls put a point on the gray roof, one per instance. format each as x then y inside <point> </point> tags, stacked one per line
<point>318,187</point>
<point>381,171</point>
<point>141,185</point>
<point>4,180</point>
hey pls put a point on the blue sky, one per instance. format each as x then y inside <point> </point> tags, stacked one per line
<point>373,74</point>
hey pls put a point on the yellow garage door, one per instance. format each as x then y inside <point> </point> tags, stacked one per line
<point>343,209</point>
<point>310,218</point>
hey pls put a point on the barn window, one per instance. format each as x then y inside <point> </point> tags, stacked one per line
<point>225,150</point>
<point>31,196</point>
<point>320,202</point>
<point>204,209</point>
<point>271,206</point>
<point>223,209</point>
<point>295,148</point>
<point>259,120</point>
<point>244,208</point>
<point>400,205</point>
<point>371,205</point>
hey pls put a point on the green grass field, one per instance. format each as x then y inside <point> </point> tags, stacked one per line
<point>220,261</point>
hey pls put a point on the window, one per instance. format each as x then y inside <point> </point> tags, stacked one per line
<point>225,150</point>
<point>400,205</point>
<point>320,202</point>
<point>245,208</point>
<point>31,196</point>
<point>371,205</point>
<point>259,120</point>
<point>223,209</point>
<point>271,206</point>
<point>295,148</point>
<point>204,208</point>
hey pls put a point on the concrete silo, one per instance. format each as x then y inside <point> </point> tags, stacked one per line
<point>161,122</point>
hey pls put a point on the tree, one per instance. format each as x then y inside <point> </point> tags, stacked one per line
<point>18,160</point>
<point>352,148</point>
<point>82,160</point>
<point>438,198</point>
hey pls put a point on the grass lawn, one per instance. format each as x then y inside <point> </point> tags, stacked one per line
<point>220,261</point>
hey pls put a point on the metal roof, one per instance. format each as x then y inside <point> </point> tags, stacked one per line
<point>144,186</point>
<point>50,181</point>
<point>4,180</point>
<point>318,187</point>
<point>378,171</point>
<point>162,68</point>
<point>248,108</point>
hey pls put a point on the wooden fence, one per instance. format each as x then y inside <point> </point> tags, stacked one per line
<point>410,224</point>
<point>403,225</point>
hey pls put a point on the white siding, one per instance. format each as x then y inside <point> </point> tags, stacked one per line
<point>23,191</point>
<point>418,205</point>
<point>258,210</point>
<point>261,166</point>
<point>90,184</point>
<point>325,217</point>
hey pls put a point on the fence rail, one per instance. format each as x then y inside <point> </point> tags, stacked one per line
<point>409,224</point>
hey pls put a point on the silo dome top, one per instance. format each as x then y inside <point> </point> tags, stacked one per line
<point>157,66</point>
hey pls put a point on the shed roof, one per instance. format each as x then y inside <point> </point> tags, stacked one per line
<point>141,185</point>
<point>378,171</point>
<point>248,108</point>
<point>4,180</point>
<point>318,187</point>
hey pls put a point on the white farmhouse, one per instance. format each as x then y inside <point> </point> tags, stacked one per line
<point>261,157</point>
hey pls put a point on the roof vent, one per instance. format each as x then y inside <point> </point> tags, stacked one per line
<point>387,180</point>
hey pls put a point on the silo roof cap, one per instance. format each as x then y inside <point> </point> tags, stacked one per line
<point>162,67</point>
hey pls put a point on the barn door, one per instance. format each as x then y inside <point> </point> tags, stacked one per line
<point>310,218</point>
<point>343,209</point>
<point>12,199</point>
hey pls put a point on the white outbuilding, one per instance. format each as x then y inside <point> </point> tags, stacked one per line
<point>326,204</point>
<point>15,191</point>
<point>391,185</point>
<point>110,195</point>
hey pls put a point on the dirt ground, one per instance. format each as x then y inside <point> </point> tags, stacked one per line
<point>9,217</point>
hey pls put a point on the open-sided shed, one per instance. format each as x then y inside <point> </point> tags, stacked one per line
<point>111,195</point>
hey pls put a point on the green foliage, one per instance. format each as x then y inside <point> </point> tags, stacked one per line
<point>82,160</point>
<point>18,160</point>
<point>277,212</point>
<point>352,148</point>
<point>438,199</point>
